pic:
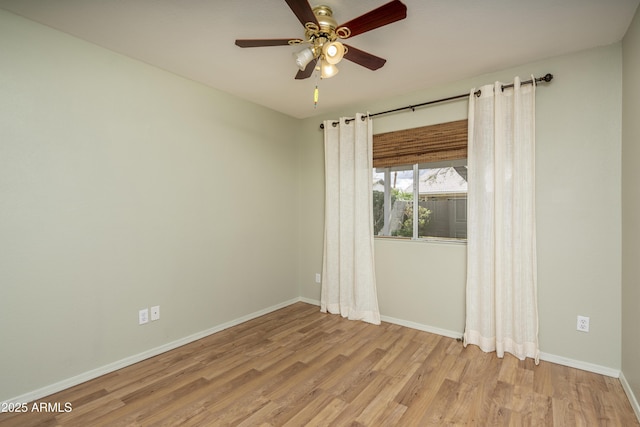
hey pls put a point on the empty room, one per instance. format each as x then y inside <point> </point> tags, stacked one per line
<point>208,212</point>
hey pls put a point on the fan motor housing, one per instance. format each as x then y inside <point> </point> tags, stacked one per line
<point>324,15</point>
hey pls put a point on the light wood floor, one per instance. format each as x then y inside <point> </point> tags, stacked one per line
<point>299,367</point>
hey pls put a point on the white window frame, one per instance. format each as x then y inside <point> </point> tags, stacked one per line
<point>416,197</point>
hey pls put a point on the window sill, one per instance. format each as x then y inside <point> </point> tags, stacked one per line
<point>444,240</point>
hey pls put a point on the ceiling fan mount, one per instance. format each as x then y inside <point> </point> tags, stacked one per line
<point>326,24</point>
<point>322,33</point>
<point>324,15</point>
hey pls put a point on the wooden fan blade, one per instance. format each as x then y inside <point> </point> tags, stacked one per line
<point>303,11</point>
<point>385,14</point>
<point>306,73</point>
<point>262,42</point>
<point>363,58</point>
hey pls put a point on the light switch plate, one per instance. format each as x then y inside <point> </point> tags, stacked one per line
<point>143,316</point>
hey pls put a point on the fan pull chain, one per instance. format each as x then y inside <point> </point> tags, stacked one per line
<point>315,97</point>
<point>316,93</point>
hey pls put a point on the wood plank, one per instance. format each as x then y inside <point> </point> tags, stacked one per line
<point>297,366</point>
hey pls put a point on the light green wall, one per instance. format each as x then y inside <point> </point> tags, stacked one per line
<point>631,207</point>
<point>121,187</point>
<point>578,193</point>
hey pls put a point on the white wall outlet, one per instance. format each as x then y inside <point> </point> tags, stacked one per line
<point>583,324</point>
<point>155,312</point>
<point>143,316</point>
<point>318,278</point>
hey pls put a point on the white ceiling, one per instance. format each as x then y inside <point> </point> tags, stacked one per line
<point>440,41</point>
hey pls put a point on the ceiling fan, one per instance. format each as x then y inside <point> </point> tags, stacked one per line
<point>322,33</point>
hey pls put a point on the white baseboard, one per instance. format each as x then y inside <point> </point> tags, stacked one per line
<point>127,361</point>
<point>95,373</point>
<point>310,301</point>
<point>578,364</point>
<point>632,397</point>
<point>401,322</point>
<point>407,323</point>
<point>421,327</point>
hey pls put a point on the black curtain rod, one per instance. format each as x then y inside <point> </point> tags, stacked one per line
<point>546,78</point>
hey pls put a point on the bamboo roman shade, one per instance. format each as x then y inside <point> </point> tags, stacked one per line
<point>444,141</point>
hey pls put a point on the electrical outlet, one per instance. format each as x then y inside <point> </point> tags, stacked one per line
<point>318,278</point>
<point>143,316</point>
<point>583,324</point>
<point>155,312</point>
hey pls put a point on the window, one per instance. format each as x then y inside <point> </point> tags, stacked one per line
<point>441,191</point>
<point>427,165</point>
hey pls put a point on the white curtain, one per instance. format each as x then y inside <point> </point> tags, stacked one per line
<point>502,312</point>
<point>348,273</point>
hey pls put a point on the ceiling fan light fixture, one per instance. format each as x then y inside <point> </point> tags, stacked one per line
<point>303,57</point>
<point>327,70</point>
<point>333,52</point>
<point>321,31</point>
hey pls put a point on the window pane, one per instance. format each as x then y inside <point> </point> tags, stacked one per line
<point>393,201</point>
<point>442,201</point>
<point>378,201</point>
<point>401,215</point>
